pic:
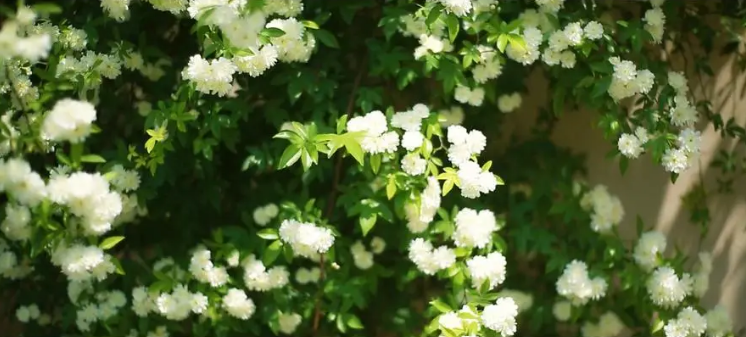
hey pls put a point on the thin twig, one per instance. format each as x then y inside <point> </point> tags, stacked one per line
<point>331,201</point>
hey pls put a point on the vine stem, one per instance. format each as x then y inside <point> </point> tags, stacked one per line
<point>331,201</point>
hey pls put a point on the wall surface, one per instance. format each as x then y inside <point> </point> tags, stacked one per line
<point>645,189</point>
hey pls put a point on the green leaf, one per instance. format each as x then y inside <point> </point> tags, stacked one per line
<point>658,325</point>
<point>434,14</point>
<point>367,223</point>
<point>310,24</point>
<point>353,148</point>
<point>353,322</point>
<point>110,242</point>
<point>272,252</point>
<point>452,23</point>
<point>272,32</point>
<point>502,42</point>
<point>150,144</point>
<point>326,38</point>
<point>117,266</point>
<point>375,162</point>
<point>341,123</point>
<point>46,8</point>
<point>268,234</point>
<point>516,41</point>
<point>291,155</point>
<point>447,186</point>
<point>601,87</point>
<point>92,158</point>
<point>391,187</point>
<point>441,306</point>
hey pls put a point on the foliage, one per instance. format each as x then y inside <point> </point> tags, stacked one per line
<point>229,167</point>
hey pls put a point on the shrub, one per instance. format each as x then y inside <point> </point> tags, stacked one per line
<point>233,168</point>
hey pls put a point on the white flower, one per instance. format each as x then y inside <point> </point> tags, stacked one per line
<point>473,97</point>
<point>125,180</point>
<point>306,239</point>
<point>666,289</point>
<point>576,285</point>
<point>655,17</point>
<point>413,164</point>
<point>675,160</point>
<point>16,224</point>
<point>510,102</point>
<point>562,310</point>
<point>458,7</point>
<point>210,77</point>
<point>500,316</point>
<point>264,214</point>
<point>573,33</point>
<point>690,140</point>
<point>69,120</point>
<point>490,268</point>
<point>524,301</point>
<point>429,260</point>
<point>74,39</point>
<point>257,63</point>
<point>258,278</point>
<point>116,9</point>
<point>377,245</point>
<point>687,323</point>
<point>375,139</point>
<point>173,6</point>
<point>474,181</point>
<point>305,276</point>
<point>474,229</point>
<point>238,305</point>
<point>452,116</point>
<point>464,144</point>
<point>629,145</point>
<point>646,252</point>
<point>593,30</point>
<point>286,8</point>
<point>288,322</point>
<point>678,82</point>
<point>719,323</point>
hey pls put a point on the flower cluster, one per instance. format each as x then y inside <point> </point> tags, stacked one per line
<point>666,289</point>
<point>362,257</point>
<point>238,305</point>
<point>420,215</point>
<point>375,135</point>
<point>609,325</point>
<point>627,80</point>
<point>687,323</point>
<point>655,21</point>
<point>264,214</point>
<point>89,197</point>
<point>104,306</point>
<point>489,268</point>
<point>258,278</point>
<point>428,259</point>
<point>411,122</point>
<point>464,145</point>
<point>474,229</point>
<point>307,239</point>
<point>576,285</point>
<point>607,210</point>
<point>82,263</point>
<point>649,248</point>
<point>69,120</point>
<point>203,270</point>
<point>508,103</point>
<point>245,29</point>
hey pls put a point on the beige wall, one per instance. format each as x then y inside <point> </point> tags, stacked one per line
<point>645,189</point>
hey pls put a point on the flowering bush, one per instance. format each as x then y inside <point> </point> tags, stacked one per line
<point>241,167</point>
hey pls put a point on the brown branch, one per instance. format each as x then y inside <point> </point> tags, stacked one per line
<point>331,201</point>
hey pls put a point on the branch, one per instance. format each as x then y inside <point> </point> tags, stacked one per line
<point>332,200</point>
